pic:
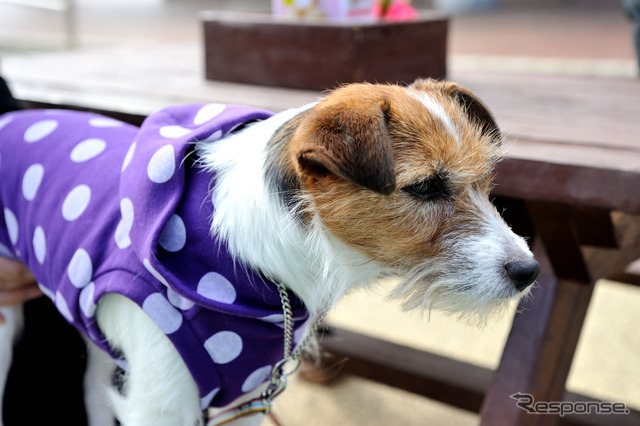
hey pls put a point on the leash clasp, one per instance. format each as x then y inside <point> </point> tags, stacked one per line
<point>278,382</point>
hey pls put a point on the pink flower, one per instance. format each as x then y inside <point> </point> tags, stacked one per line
<point>396,11</point>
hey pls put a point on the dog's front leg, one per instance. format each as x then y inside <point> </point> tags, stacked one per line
<point>8,333</point>
<point>97,379</point>
<point>158,389</point>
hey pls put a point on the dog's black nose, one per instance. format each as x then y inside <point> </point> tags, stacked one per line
<point>522,272</point>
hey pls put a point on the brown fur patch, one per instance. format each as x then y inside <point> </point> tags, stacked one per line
<point>362,146</point>
<point>347,136</point>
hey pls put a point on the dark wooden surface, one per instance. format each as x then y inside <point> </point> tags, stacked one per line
<point>573,166</point>
<point>256,48</point>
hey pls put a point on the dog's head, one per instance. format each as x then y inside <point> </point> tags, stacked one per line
<point>403,174</point>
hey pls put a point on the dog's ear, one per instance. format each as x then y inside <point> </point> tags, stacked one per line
<point>348,138</point>
<point>476,110</point>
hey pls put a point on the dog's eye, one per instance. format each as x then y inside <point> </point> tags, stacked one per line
<point>430,189</point>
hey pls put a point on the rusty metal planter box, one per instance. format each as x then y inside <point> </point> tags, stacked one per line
<point>258,49</point>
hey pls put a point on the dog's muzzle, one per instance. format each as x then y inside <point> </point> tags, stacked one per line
<point>523,272</point>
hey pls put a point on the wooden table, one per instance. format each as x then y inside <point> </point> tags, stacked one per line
<point>571,183</point>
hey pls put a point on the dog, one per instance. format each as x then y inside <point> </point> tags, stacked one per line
<point>182,249</point>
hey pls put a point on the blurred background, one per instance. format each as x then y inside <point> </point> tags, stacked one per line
<point>569,37</point>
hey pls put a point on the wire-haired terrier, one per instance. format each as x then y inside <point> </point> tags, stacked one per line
<point>199,249</point>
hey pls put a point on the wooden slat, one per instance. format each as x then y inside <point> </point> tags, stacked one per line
<point>135,80</point>
<point>605,155</point>
<point>631,275</point>
<point>539,351</point>
<point>594,227</point>
<point>520,356</point>
<point>572,110</point>
<point>536,179</point>
<point>453,382</point>
<point>580,110</point>
<point>561,338</point>
<point>556,231</point>
<point>621,264</point>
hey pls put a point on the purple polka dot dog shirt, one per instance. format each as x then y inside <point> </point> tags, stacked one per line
<point>96,206</point>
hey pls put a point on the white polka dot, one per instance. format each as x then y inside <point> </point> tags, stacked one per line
<point>174,234</point>
<point>12,225</point>
<point>86,301</point>
<point>224,347</point>
<point>277,319</point>
<point>5,120</point>
<point>31,181</point>
<point>76,202</point>
<point>39,244</point>
<point>80,269</point>
<point>5,252</point>
<point>256,378</point>
<point>166,317</point>
<point>104,122</point>
<point>153,272</point>
<point>62,306</point>
<point>40,130</point>
<point>128,156</point>
<point>122,235</point>
<point>178,301</point>
<point>216,287</point>
<point>206,400</point>
<point>47,291</point>
<point>213,136</point>
<point>87,149</point>
<point>162,165</point>
<point>173,132</point>
<point>208,112</point>
<point>300,332</point>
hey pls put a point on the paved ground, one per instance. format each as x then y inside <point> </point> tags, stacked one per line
<point>573,39</point>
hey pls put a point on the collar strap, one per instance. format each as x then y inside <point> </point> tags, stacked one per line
<point>255,406</point>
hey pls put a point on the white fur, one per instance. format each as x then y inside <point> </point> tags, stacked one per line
<point>158,389</point>
<point>260,230</point>
<point>470,279</point>
<point>97,381</point>
<point>8,333</point>
<point>437,110</point>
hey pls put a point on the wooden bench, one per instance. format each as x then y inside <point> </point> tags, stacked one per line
<point>572,181</point>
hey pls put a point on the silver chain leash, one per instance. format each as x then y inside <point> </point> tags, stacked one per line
<point>278,382</point>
